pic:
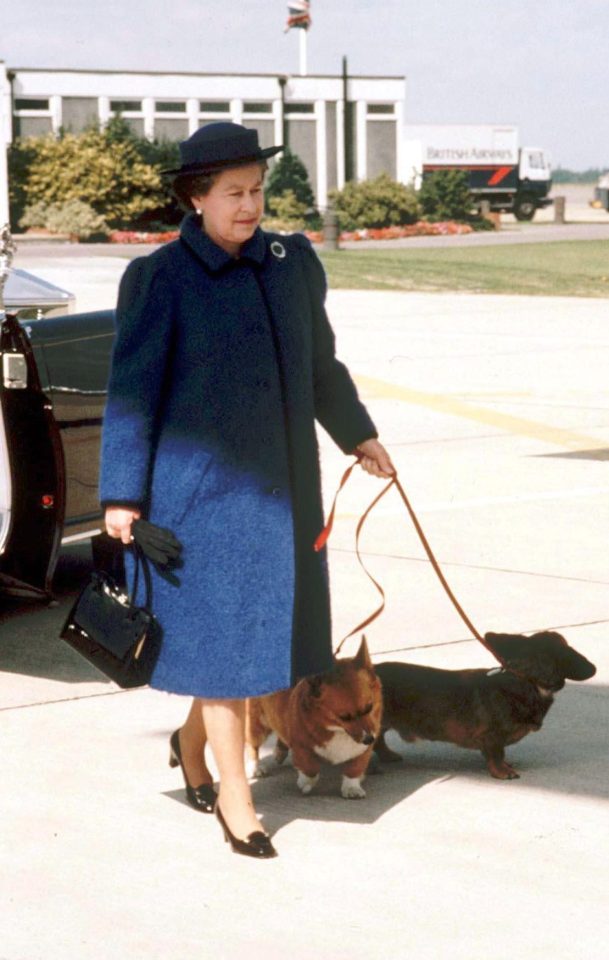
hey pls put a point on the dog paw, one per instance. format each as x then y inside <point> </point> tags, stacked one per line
<point>305,784</point>
<point>503,771</point>
<point>263,767</point>
<point>351,788</point>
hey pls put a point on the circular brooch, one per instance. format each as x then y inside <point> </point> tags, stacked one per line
<point>278,250</point>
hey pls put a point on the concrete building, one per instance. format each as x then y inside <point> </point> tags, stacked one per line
<point>339,137</point>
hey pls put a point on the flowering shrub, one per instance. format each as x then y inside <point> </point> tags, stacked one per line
<point>140,236</point>
<point>420,229</point>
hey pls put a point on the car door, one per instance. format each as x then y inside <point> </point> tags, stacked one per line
<point>32,475</point>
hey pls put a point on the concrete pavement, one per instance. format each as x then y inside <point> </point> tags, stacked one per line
<point>496,411</point>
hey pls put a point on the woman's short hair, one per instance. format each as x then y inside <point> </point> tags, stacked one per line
<point>188,185</point>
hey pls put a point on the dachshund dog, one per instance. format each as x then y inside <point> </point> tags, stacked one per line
<point>480,709</point>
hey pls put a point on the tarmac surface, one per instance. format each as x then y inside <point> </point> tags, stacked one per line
<point>496,411</point>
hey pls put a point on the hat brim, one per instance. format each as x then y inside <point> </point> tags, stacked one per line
<point>221,164</point>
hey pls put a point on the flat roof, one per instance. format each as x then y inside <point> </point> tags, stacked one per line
<point>203,73</point>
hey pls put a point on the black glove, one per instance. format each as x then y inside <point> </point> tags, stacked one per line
<point>157,543</point>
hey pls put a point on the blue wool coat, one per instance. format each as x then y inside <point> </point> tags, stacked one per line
<point>220,368</point>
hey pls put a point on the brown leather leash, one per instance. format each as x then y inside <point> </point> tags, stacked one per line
<point>325,533</point>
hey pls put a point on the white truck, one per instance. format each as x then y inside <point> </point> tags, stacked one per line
<point>512,178</point>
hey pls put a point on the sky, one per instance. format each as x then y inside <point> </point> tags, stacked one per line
<point>543,67</point>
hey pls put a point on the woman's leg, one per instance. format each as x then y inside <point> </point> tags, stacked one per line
<point>192,746</point>
<point>224,722</point>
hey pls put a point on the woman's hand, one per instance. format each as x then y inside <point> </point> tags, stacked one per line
<point>375,459</point>
<point>118,522</point>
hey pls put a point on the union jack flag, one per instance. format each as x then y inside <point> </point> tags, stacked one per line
<point>298,15</point>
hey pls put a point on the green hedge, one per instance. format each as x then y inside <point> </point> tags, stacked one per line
<point>381,202</point>
<point>104,169</point>
<point>445,195</point>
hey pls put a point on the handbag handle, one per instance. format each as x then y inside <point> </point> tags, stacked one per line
<point>141,559</point>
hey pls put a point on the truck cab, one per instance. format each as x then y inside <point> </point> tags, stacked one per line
<point>534,183</point>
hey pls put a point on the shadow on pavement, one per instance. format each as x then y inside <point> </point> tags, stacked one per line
<point>29,629</point>
<point>567,756</point>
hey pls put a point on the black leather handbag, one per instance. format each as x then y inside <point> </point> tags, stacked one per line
<point>105,626</point>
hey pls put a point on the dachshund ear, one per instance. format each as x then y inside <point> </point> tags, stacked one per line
<point>508,646</point>
<point>575,666</point>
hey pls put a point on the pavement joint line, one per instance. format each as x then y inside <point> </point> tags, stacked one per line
<point>454,643</point>
<point>470,566</point>
<point>444,403</point>
<point>48,703</point>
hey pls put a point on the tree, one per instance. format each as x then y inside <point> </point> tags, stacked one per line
<point>290,173</point>
<point>444,195</point>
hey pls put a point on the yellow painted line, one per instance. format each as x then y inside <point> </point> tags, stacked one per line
<point>442,403</point>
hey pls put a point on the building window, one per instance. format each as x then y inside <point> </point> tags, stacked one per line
<point>381,108</point>
<point>170,106</point>
<point>126,106</point>
<point>214,106</point>
<point>251,106</point>
<point>300,108</point>
<point>25,103</point>
<point>170,128</point>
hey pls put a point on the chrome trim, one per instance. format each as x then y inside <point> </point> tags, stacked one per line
<point>14,371</point>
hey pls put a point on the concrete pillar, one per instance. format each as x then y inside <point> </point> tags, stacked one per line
<point>236,110</point>
<point>559,209</point>
<point>56,113</point>
<point>321,192</point>
<point>192,112</point>
<point>361,163</point>
<point>340,144</point>
<point>104,111</point>
<point>148,111</point>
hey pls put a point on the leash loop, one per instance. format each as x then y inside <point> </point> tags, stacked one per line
<point>325,533</point>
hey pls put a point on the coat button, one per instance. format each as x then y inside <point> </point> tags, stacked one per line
<point>276,491</point>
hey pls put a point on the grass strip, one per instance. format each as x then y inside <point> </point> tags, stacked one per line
<point>578,268</point>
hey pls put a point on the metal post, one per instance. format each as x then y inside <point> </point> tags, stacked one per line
<point>331,234</point>
<point>284,124</point>
<point>559,209</point>
<point>347,138</point>
<point>303,51</point>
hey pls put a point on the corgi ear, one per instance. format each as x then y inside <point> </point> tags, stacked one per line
<point>315,684</point>
<point>362,658</point>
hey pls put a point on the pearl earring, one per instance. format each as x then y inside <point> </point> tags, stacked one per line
<point>198,211</point>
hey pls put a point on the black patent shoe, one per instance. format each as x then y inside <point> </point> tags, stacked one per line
<point>202,798</point>
<point>257,844</point>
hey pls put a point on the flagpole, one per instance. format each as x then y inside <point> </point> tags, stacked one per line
<point>303,51</point>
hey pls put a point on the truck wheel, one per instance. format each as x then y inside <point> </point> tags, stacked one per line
<point>524,207</point>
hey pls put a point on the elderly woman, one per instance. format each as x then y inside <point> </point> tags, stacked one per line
<point>223,361</point>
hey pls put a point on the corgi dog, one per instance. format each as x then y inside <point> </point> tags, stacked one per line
<point>480,709</point>
<point>333,717</point>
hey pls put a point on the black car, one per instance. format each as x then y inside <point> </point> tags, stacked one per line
<point>52,396</point>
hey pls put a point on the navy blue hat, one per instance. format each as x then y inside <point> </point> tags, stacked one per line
<point>218,145</point>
